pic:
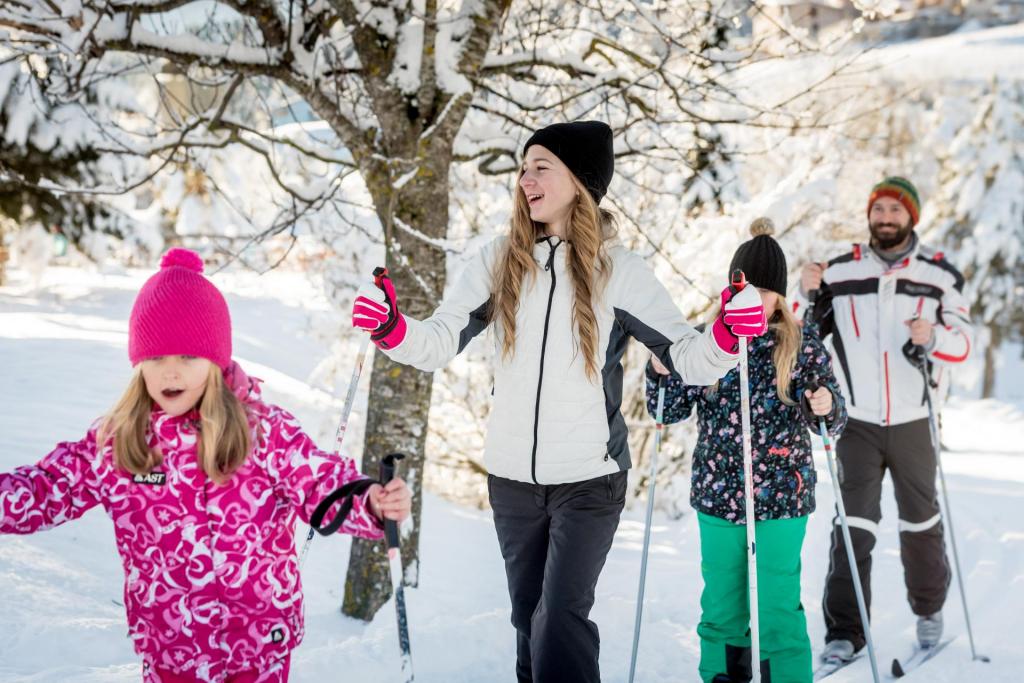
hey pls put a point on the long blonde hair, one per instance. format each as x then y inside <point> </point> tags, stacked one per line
<point>787,332</point>
<point>224,432</point>
<point>589,267</point>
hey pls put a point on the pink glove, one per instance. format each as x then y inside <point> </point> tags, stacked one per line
<point>742,316</point>
<point>375,310</point>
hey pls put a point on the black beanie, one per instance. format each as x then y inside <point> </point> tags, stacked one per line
<point>761,258</point>
<point>585,147</point>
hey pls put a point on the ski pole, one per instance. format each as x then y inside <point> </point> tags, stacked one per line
<point>339,437</point>
<point>659,424</point>
<point>918,356</point>
<point>387,473</point>
<point>739,281</point>
<point>851,557</point>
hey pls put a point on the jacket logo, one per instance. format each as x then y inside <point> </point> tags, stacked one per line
<point>277,635</point>
<point>784,451</point>
<point>918,289</point>
<point>914,288</point>
<point>151,479</point>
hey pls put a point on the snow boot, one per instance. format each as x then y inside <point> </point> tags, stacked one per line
<point>929,630</point>
<point>841,650</point>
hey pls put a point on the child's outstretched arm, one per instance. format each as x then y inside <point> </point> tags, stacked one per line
<point>306,475</point>
<point>680,398</point>
<point>59,488</point>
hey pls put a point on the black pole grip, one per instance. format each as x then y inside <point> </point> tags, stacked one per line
<point>915,354</point>
<point>812,296</point>
<point>387,473</point>
<point>813,384</point>
<point>737,282</point>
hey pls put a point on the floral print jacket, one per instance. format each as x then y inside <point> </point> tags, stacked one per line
<point>783,467</point>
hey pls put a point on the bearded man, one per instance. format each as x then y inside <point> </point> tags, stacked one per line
<point>888,306</point>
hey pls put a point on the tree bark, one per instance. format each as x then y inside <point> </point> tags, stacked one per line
<point>988,384</point>
<point>399,400</point>
<point>421,136</point>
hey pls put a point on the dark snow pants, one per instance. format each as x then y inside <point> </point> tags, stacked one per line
<point>555,539</point>
<point>864,453</point>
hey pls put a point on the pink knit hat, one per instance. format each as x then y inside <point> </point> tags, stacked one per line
<point>180,312</point>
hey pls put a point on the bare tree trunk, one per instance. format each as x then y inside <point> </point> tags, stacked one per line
<point>415,217</point>
<point>988,385</point>
<point>4,256</point>
<point>400,395</point>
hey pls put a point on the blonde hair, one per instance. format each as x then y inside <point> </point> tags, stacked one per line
<point>224,432</point>
<point>788,335</point>
<point>587,227</point>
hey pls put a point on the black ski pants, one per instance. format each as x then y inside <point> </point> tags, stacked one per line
<point>864,452</point>
<point>555,539</point>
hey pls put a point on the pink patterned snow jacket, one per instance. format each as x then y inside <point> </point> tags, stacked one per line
<point>211,574</point>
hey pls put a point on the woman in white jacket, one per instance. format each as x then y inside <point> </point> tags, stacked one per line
<point>564,298</point>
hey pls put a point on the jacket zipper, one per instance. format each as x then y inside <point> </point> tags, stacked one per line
<point>548,267</point>
<point>888,398</point>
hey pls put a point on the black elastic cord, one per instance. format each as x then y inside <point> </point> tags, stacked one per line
<point>346,494</point>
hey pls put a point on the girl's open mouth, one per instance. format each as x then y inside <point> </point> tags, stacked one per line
<point>172,393</point>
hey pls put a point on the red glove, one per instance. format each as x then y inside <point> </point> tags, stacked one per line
<point>375,310</point>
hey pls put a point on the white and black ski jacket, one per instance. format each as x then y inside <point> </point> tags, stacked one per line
<point>865,305</point>
<point>549,423</point>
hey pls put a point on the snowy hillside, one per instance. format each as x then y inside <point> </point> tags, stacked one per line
<point>64,362</point>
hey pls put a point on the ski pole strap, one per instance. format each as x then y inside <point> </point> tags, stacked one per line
<point>346,494</point>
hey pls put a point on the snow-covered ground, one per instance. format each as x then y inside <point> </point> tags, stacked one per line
<point>63,362</point>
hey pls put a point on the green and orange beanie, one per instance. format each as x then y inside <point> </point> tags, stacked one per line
<point>903,191</point>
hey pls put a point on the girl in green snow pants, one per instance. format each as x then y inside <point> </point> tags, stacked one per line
<point>723,630</point>
<point>782,413</point>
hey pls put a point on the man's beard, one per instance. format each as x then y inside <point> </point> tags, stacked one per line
<point>889,240</point>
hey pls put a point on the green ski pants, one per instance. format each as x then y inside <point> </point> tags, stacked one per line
<point>724,625</point>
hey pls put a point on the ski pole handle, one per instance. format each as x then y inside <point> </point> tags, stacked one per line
<point>812,302</point>
<point>380,273</point>
<point>737,282</point>
<point>813,384</point>
<point>387,473</point>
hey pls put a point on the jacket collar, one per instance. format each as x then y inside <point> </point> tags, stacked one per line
<point>546,248</point>
<point>908,258</point>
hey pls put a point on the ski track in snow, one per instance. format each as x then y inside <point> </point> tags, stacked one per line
<point>64,363</point>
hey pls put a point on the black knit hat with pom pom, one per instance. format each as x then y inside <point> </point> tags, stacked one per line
<point>761,258</point>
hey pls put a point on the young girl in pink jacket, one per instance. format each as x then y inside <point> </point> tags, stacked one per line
<point>203,481</point>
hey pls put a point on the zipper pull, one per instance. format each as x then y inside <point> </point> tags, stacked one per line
<point>551,258</point>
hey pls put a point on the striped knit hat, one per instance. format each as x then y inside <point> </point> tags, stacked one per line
<point>903,191</point>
